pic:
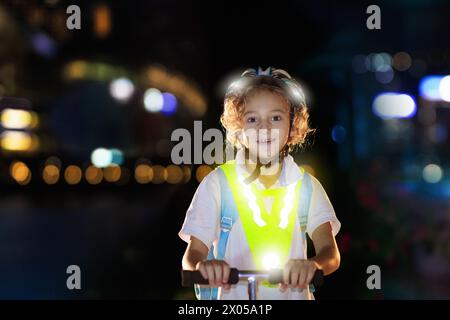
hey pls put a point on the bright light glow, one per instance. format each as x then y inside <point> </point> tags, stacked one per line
<point>16,119</point>
<point>117,156</point>
<point>121,89</point>
<point>444,88</point>
<point>392,105</point>
<point>271,261</point>
<point>169,104</point>
<point>432,173</point>
<point>16,141</point>
<point>429,87</point>
<point>101,157</point>
<point>153,100</point>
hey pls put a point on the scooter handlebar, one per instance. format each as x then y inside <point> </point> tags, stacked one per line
<point>189,278</point>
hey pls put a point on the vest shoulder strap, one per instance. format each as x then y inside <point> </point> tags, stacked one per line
<point>305,200</point>
<point>228,216</point>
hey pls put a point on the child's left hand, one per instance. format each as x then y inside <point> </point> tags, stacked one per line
<point>298,273</point>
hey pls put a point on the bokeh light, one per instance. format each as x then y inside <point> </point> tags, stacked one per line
<point>159,174</point>
<point>202,172</point>
<point>20,172</point>
<point>174,174</point>
<point>391,105</point>
<point>143,173</point>
<point>101,157</point>
<point>93,175</point>
<point>121,89</point>
<point>112,173</point>
<point>432,173</point>
<point>153,100</point>
<point>169,104</point>
<point>50,174</point>
<point>73,174</point>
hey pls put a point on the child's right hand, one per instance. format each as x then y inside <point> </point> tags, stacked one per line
<point>216,271</point>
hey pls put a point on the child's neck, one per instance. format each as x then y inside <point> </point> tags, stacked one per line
<point>269,175</point>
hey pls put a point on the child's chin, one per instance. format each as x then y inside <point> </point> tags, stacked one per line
<point>265,157</point>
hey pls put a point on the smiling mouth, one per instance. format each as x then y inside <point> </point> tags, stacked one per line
<point>264,141</point>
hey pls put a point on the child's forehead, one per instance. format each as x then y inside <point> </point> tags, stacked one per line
<point>266,100</point>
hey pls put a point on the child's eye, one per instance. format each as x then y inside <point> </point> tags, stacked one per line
<point>276,118</point>
<point>251,119</point>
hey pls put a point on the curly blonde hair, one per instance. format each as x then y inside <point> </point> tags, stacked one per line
<point>279,82</point>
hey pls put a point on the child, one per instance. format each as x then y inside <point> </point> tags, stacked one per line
<point>254,214</point>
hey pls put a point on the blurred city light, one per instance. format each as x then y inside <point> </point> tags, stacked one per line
<point>159,174</point>
<point>50,174</point>
<point>143,173</point>
<point>181,87</point>
<point>102,20</point>
<point>43,45</point>
<point>153,100</point>
<point>202,172</point>
<point>121,89</point>
<point>117,156</point>
<point>338,133</point>
<point>18,141</point>
<point>174,174</point>
<point>101,157</point>
<point>72,174</point>
<point>444,88</point>
<point>402,61</point>
<point>432,173</point>
<point>112,173</point>
<point>391,105</point>
<point>186,174</point>
<point>169,103</point>
<point>93,175</point>
<point>384,74</point>
<point>18,119</point>
<point>429,87</point>
<point>20,172</point>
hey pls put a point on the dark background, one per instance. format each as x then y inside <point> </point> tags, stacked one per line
<point>123,235</point>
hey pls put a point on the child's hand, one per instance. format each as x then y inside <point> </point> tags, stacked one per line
<point>216,271</point>
<point>298,273</point>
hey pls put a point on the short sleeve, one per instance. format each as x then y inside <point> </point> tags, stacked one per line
<point>321,209</point>
<point>202,216</point>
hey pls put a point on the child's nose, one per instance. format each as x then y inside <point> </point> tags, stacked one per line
<point>265,124</point>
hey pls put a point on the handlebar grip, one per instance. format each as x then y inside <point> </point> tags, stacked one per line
<point>189,278</point>
<point>276,276</point>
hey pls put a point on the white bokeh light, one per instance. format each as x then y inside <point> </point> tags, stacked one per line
<point>153,100</point>
<point>121,89</point>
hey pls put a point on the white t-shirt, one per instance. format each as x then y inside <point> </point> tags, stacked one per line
<point>202,222</point>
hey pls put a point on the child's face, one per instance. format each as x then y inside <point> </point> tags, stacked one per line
<point>266,125</point>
